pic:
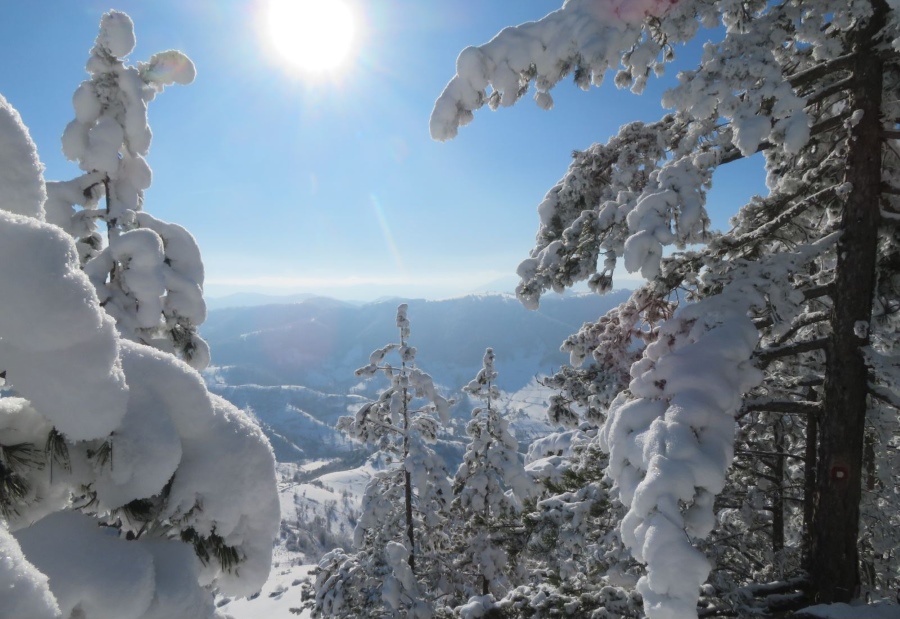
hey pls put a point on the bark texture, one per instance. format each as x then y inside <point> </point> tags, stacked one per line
<point>834,562</point>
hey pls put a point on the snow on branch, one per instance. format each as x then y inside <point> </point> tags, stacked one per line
<point>58,348</point>
<point>671,446</point>
<point>140,444</point>
<point>585,36</point>
<point>670,436</point>
<point>150,275</point>
<point>642,190</point>
<point>20,169</point>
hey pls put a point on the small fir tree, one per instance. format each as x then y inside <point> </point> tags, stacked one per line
<point>399,539</point>
<point>488,488</point>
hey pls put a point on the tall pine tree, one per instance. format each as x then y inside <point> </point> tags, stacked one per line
<point>784,324</point>
<point>126,488</point>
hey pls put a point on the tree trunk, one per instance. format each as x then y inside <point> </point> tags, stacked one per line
<point>485,583</point>
<point>809,481</point>
<point>835,555</point>
<point>407,485</point>
<point>409,521</point>
<point>778,499</point>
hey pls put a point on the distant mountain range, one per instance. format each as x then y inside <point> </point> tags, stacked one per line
<point>253,299</point>
<point>293,364</point>
<point>319,342</point>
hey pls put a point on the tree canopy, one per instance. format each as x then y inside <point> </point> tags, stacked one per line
<point>759,355</point>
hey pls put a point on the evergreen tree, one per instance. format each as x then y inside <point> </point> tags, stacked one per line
<point>400,542</point>
<point>488,488</point>
<point>570,559</point>
<point>126,488</point>
<point>148,273</point>
<point>786,323</point>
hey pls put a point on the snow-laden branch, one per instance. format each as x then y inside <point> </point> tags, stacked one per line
<point>21,172</point>
<point>58,348</point>
<point>671,439</point>
<point>585,36</point>
<point>642,190</point>
<point>670,447</point>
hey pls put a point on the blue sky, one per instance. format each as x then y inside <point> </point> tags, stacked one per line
<point>332,186</point>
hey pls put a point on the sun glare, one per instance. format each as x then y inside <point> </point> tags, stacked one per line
<point>314,36</point>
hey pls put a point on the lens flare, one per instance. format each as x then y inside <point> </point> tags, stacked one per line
<point>386,231</point>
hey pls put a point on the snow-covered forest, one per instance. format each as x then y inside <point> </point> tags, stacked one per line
<point>723,440</point>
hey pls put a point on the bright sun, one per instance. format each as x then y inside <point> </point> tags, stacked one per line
<point>315,36</point>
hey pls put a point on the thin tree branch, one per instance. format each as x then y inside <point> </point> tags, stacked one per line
<point>777,222</point>
<point>768,355</point>
<point>801,321</point>
<point>790,407</point>
<point>776,454</point>
<point>810,75</point>
<point>827,91</point>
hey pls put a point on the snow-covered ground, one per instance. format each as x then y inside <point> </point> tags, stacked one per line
<point>279,595</point>
<point>316,515</point>
<point>526,410</point>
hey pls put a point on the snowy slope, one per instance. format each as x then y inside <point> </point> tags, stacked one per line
<point>279,595</point>
<point>318,514</point>
<point>299,421</point>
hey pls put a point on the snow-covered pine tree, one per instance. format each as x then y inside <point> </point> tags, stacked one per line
<point>148,273</point>
<point>791,314</point>
<point>398,566</point>
<point>126,488</point>
<point>570,557</point>
<point>488,488</point>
